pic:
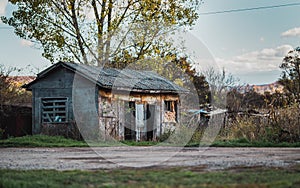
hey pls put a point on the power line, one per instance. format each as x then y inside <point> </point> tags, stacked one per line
<point>249,9</point>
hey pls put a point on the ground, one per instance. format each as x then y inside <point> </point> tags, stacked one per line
<point>204,159</point>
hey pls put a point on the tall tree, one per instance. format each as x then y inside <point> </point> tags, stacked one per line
<point>220,83</point>
<point>291,72</point>
<point>100,31</point>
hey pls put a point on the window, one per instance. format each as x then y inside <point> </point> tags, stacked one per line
<point>54,110</point>
<point>170,114</point>
<point>170,106</point>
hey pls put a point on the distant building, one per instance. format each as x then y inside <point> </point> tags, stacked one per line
<point>262,89</point>
<point>270,88</point>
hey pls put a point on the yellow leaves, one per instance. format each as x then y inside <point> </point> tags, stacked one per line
<point>156,50</point>
<point>179,82</point>
<point>69,6</point>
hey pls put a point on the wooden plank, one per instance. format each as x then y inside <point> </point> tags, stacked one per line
<point>53,101</point>
<point>51,107</point>
<point>54,112</point>
<point>48,118</point>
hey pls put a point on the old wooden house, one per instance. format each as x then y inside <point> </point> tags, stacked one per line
<point>130,104</point>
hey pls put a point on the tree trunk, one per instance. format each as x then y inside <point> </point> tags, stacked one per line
<point>77,30</point>
<point>100,26</point>
<point>109,30</point>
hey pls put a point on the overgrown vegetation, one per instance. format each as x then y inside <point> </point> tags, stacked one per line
<point>41,141</point>
<point>177,177</point>
<point>59,141</point>
<point>67,130</point>
<point>11,95</point>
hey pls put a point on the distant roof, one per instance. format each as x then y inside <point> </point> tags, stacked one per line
<point>21,79</point>
<point>125,79</point>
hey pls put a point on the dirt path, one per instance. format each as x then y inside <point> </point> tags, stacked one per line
<point>157,157</point>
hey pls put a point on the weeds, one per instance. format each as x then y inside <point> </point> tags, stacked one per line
<point>174,177</point>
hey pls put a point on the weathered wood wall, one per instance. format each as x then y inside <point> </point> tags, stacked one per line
<point>113,107</point>
<point>104,110</point>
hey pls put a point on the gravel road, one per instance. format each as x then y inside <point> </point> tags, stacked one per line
<point>155,157</point>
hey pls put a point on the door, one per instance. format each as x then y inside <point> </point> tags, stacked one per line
<point>129,128</point>
<point>150,114</point>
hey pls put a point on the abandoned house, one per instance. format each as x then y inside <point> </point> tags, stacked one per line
<point>130,104</point>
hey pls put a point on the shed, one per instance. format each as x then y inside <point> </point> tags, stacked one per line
<point>126,104</point>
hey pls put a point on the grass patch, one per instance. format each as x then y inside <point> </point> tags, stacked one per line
<point>244,143</point>
<point>142,143</point>
<point>41,141</point>
<point>59,141</point>
<point>178,177</point>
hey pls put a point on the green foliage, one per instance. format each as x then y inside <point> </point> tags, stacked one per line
<point>141,143</point>
<point>101,31</point>
<point>59,141</point>
<point>291,73</point>
<point>41,141</point>
<point>243,142</point>
<point>174,177</point>
<point>278,126</point>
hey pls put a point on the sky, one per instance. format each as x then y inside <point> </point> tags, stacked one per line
<point>250,44</point>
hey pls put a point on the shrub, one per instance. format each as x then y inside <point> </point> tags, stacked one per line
<point>281,125</point>
<point>67,130</point>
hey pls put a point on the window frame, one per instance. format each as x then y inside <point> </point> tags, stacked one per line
<point>55,109</point>
<point>171,106</point>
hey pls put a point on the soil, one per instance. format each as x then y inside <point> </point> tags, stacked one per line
<point>204,159</point>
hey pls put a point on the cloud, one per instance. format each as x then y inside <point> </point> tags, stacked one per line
<point>3,4</point>
<point>267,59</point>
<point>295,32</point>
<point>26,42</point>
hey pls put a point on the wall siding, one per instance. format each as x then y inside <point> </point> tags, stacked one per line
<point>59,83</point>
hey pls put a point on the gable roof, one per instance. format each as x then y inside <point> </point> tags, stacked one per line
<point>110,78</point>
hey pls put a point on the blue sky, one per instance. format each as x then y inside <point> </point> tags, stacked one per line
<point>248,44</point>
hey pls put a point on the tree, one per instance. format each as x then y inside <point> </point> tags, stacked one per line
<point>220,83</point>
<point>291,72</point>
<point>11,92</point>
<point>101,31</point>
<point>197,80</point>
<point>178,70</point>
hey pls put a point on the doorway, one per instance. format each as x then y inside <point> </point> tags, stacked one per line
<point>129,128</point>
<point>150,122</point>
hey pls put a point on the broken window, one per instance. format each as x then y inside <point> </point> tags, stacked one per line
<point>54,110</point>
<point>169,106</point>
<point>170,111</point>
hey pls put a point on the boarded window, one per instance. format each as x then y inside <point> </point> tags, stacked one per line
<point>54,110</point>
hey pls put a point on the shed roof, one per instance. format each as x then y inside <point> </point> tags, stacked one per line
<point>110,78</point>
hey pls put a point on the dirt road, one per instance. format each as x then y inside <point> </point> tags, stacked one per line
<point>159,157</point>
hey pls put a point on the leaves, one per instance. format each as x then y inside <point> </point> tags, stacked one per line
<point>101,31</point>
<point>290,77</point>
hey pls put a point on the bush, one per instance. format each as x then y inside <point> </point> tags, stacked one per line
<point>67,130</point>
<point>281,125</point>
